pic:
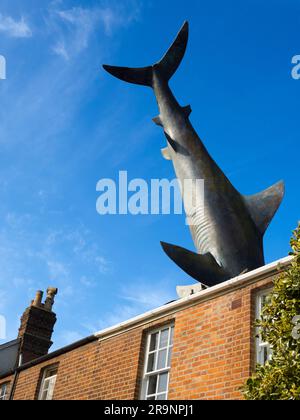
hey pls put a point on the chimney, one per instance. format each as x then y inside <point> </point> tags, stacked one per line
<point>36,327</point>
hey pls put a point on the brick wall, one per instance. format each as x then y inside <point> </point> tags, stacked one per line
<point>213,355</point>
<point>214,347</point>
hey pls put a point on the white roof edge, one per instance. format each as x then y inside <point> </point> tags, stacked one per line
<point>237,282</point>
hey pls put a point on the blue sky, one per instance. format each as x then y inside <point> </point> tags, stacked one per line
<point>65,124</point>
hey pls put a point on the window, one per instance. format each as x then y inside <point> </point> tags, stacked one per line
<point>157,364</point>
<point>48,383</point>
<point>263,350</point>
<point>3,392</point>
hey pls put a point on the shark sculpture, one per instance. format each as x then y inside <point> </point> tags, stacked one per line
<point>228,228</point>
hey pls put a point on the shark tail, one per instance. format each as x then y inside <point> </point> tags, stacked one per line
<point>263,206</point>
<point>167,66</point>
<point>203,268</point>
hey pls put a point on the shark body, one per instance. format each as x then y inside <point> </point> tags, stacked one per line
<point>228,229</point>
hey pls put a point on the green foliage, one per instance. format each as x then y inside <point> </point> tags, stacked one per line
<point>279,379</point>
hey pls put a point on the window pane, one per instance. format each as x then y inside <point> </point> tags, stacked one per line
<point>151,362</point>
<point>153,342</point>
<point>164,337</point>
<point>157,360</point>
<point>162,397</point>
<point>51,388</point>
<point>172,336</point>
<point>163,382</point>
<point>152,385</point>
<point>44,395</point>
<point>51,372</point>
<point>162,359</point>
<point>46,385</point>
<point>265,299</point>
<point>265,355</point>
<point>263,348</point>
<point>3,389</point>
<point>169,357</point>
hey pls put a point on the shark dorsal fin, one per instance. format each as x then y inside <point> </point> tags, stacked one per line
<point>263,206</point>
<point>187,110</point>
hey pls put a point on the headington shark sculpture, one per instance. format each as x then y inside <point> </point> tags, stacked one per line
<point>228,232</point>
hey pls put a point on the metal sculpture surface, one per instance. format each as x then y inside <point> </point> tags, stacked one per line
<point>228,231</point>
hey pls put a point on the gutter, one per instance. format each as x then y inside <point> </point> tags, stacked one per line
<point>236,283</point>
<point>50,356</point>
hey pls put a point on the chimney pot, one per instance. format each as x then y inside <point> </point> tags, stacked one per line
<point>38,299</point>
<point>49,302</point>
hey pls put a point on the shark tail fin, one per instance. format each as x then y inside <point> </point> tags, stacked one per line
<point>264,205</point>
<point>167,66</point>
<point>203,268</point>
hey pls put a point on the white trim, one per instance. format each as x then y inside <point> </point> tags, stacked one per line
<point>236,283</point>
<point>259,344</point>
<point>3,391</point>
<point>51,380</point>
<point>156,372</point>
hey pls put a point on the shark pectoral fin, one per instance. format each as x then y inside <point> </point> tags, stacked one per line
<point>166,153</point>
<point>172,142</point>
<point>263,206</point>
<point>176,146</point>
<point>158,121</point>
<point>203,268</point>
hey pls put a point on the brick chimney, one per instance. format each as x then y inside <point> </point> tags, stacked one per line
<point>36,327</point>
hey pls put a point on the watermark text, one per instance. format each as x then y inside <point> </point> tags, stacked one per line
<point>296,68</point>
<point>155,197</point>
<point>2,67</point>
<point>2,328</point>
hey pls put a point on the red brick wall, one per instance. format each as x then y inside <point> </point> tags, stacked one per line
<point>214,347</point>
<point>213,355</point>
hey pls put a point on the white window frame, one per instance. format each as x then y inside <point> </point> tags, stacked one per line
<point>157,372</point>
<point>261,346</point>
<point>48,384</point>
<point>3,391</point>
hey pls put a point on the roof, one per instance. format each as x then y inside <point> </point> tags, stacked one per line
<point>9,356</point>
<point>236,283</point>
